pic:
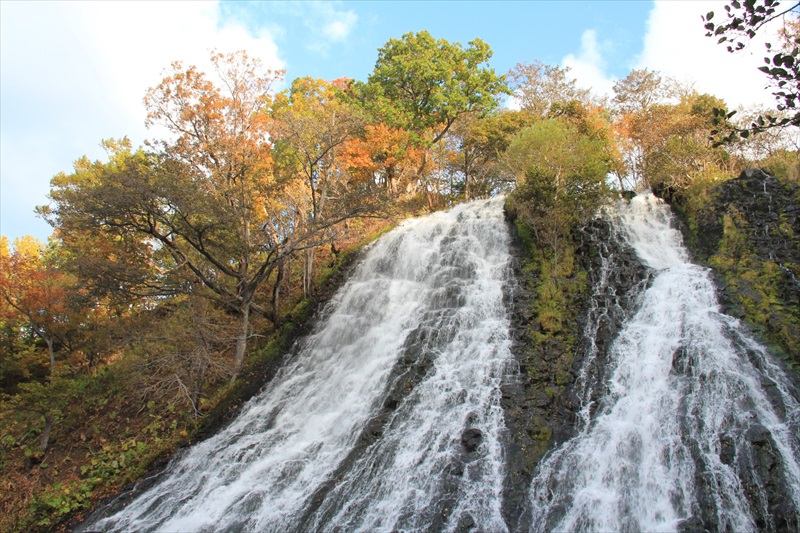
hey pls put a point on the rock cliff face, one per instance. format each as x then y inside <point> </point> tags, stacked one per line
<point>749,232</point>
<point>542,404</point>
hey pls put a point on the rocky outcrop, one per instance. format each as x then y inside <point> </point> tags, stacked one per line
<point>543,401</point>
<point>749,232</point>
<point>770,207</point>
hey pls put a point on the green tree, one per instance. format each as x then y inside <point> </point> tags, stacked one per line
<point>561,179</point>
<point>424,85</point>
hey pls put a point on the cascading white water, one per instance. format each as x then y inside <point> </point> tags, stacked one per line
<point>431,289</point>
<point>674,438</point>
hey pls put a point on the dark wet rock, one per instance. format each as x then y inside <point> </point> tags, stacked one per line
<point>757,435</point>
<point>691,525</point>
<point>455,469</point>
<point>471,439</point>
<point>465,523</point>
<point>542,401</point>
<point>762,200</point>
<point>758,464</point>
<point>748,229</point>
<point>727,450</point>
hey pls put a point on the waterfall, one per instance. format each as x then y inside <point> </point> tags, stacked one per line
<point>697,428</point>
<point>386,417</point>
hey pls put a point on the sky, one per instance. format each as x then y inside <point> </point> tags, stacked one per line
<point>75,73</point>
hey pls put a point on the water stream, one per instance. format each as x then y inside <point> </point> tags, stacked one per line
<point>386,417</point>
<point>698,427</point>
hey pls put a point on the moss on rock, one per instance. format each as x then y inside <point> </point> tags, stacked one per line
<point>746,231</point>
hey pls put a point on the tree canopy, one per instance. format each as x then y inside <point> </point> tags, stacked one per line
<point>538,87</point>
<point>424,85</point>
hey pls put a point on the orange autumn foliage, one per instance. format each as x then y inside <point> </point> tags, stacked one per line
<point>383,154</point>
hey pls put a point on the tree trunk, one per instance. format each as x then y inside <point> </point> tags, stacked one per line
<point>50,418</point>
<point>308,272</point>
<point>390,180</point>
<point>276,294</point>
<point>49,421</point>
<point>51,353</point>
<point>430,195</point>
<point>241,341</point>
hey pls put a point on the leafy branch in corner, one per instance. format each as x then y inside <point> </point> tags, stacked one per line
<point>782,66</point>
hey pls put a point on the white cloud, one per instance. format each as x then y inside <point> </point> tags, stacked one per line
<point>588,67</point>
<point>76,73</point>
<point>339,29</point>
<point>328,25</point>
<point>675,44</point>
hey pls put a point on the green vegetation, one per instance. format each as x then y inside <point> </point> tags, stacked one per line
<point>560,161</point>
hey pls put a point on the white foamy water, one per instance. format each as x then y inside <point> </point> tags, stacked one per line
<point>686,394</point>
<point>433,284</point>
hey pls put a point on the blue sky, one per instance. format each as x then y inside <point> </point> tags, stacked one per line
<point>516,31</point>
<point>74,73</point>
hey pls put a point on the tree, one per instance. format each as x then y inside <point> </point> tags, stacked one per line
<point>662,129</point>
<point>384,155</point>
<point>203,208</point>
<point>37,291</point>
<point>311,122</point>
<point>634,99</point>
<point>538,87</point>
<point>561,179</point>
<point>424,85</point>
<point>668,146</point>
<point>46,299</point>
<point>475,147</point>
<point>639,90</point>
<point>120,266</point>
<point>743,21</point>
